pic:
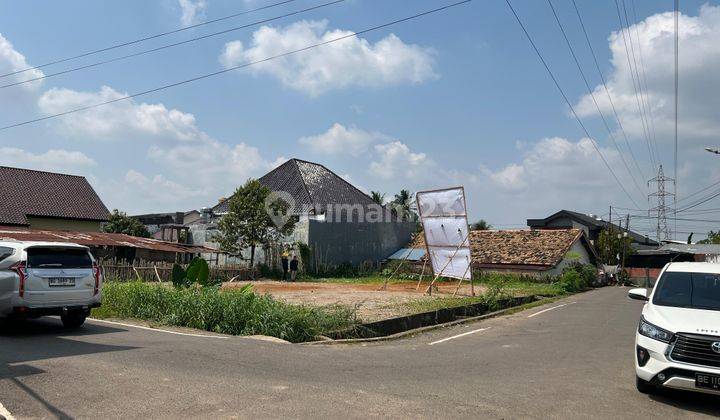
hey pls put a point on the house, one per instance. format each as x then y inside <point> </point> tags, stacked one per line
<point>340,223</point>
<point>171,227</point>
<point>644,265</point>
<point>530,252</point>
<point>590,224</point>
<point>51,201</point>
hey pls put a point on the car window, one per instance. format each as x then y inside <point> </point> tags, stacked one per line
<point>58,258</point>
<point>688,290</point>
<point>5,252</point>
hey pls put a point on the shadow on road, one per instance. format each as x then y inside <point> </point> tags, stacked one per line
<point>32,340</point>
<point>690,401</point>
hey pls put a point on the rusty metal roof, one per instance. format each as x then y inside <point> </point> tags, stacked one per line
<point>99,239</point>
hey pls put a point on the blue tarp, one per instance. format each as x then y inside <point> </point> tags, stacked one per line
<point>410,254</point>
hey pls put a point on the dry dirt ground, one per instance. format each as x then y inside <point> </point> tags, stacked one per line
<point>372,304</point>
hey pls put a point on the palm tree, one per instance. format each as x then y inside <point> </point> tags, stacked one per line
<point>377,197</point>
<point>402,205</point>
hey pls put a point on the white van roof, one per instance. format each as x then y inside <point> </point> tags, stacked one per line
<point>27,244</point>
<point>694,267</point>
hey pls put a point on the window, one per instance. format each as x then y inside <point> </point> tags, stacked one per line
<point>689,290</point>
<point>58,258</point>
<point>5,252</point>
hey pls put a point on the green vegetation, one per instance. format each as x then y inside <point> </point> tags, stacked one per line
<point>120,222</point>
<point>481,225</point>
<point>256,217</point>
<point>609,246</point>
<point>236,312</point>
<point>197,272</point>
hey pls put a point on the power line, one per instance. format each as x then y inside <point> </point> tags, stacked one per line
<point>592,95</point>
<point>146,38</point>
<point>607,91</point>
<point>677,70</point>
<point>174,44</point>
<point>653,160</point>
<point>248,64</point>
<point>698,191</point>
<point>703,201</point>
<point>567,101</point>
<point>643,92</point>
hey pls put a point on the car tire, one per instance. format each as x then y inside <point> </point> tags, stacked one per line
<point>644,386</point>
<point>73,319</point>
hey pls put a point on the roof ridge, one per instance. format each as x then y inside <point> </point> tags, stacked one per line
<point>15,168</point>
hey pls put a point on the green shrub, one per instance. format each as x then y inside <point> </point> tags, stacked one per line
<point>197,271</point>
<point>236,312</point>
<point>577,277</point>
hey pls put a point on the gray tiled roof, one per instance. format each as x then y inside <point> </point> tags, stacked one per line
<point>25,192</point>
<point>313,187</point>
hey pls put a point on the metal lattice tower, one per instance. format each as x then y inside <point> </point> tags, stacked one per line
<point>662,209</point>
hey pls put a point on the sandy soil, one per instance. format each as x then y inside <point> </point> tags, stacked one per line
<point>372,303</point>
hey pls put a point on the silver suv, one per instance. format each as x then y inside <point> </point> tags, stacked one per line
<point>48,278</point>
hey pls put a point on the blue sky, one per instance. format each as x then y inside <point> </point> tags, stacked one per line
<point>453,98</point>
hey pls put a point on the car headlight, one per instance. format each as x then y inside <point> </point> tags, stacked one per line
<point>653,331</point>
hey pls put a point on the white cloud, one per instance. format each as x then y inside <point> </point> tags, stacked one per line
<point>192,11</point>
<point>699,75</point>
<point>350,62</point>
<point>339,139</point>
<point>12,61</point>
<point>396,159</point>
<point>54,160</point>
<point>124,119</point>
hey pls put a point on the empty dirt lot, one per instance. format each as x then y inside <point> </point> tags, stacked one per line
<point>372,303</point>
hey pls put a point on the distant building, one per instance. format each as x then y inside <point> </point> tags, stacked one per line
<point>172,227</point>
<point>531,252</point>
<point>49,201</point>
<point>591,225</point>
<point>330,213</point>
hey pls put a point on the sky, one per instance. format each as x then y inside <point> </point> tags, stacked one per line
<point>457,97</point>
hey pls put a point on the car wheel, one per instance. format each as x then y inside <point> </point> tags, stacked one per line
<point>644,387</point>
<point>73,319</point>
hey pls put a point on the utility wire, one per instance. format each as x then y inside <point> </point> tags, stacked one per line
<point>677,70</point>
<point>644,74</point>
<point>643,92</point>
<point>567,101</point>
<point>637,100</point>
<point>147,38</point>
<point>607,91</point>
<point>698,191</point>
<point>229,69</point>
<point>174,44</point>
<point>703,201</point>
<point>592,95</point>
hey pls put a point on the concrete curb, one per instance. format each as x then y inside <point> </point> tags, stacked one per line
<point>414,331</point>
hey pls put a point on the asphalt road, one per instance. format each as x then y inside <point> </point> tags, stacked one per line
<point>572,361</point>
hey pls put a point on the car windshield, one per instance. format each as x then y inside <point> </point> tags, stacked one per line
<point>58,258</point>
<point>689,290</point>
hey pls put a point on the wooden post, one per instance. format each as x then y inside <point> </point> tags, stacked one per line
<point>422,273</point>
<point>461,280</point>
<point>447,263</point>
<point>136,273</point>
<point>157,274</point>
<point>384,286</point>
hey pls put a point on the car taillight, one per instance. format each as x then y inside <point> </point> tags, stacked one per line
<point>19,268</point>
<point>96,274</point>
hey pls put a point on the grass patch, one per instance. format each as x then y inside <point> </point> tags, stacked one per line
<point>227,312</point>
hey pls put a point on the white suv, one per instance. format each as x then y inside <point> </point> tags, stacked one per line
<point>48,278</point>
<point>677,344</point>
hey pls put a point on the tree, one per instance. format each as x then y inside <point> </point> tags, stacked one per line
<point>120,222</point>
<point>254,218</point>
<point>712,238</point>
<point>609,246</point>
<point>402,205</point>
<point>481,225</point>
<point>377,197</point>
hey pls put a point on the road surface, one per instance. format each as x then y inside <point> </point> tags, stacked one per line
<point>568,359</point>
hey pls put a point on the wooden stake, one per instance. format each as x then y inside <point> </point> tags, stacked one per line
<point>461,280</point>
<point>422,273</point>
<point>136,273</point>
<point>157,274</point>
<point>384,286</point>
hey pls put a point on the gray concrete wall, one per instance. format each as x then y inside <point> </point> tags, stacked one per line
<point>334,243</point>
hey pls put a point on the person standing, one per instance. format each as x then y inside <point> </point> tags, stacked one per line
<point>284,262</point>
<point>293,268</point>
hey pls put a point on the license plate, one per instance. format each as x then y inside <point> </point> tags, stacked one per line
<point>704,380</point>
<point>61,281</point>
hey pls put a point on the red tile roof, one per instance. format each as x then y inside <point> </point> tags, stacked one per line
<point>25,192</point>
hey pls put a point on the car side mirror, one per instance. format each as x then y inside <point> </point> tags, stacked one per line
<point>638,294</point>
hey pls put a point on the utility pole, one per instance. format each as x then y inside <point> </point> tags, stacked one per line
<point>661,210</point>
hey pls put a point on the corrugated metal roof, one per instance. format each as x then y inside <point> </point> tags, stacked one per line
<point>409,254</point>
<point>100,239</point>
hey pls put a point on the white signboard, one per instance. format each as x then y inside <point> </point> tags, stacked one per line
<point>444,218</point>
